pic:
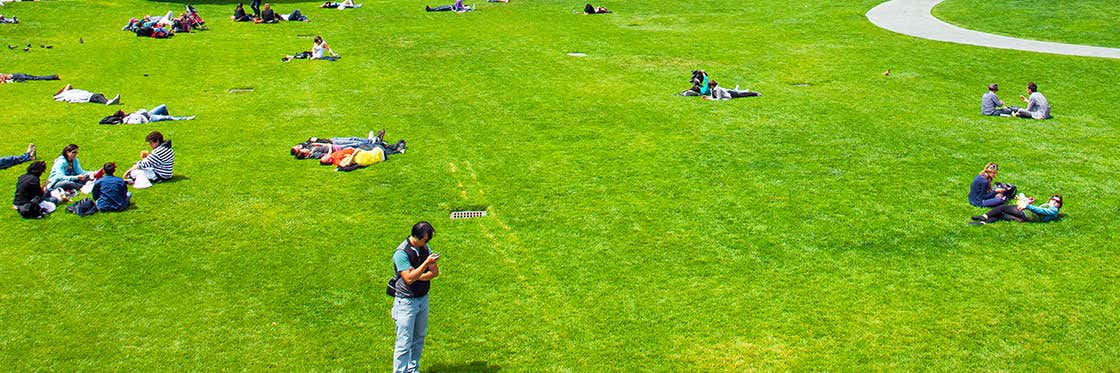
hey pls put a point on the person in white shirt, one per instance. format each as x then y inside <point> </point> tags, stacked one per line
<point>72,95</point>
<point>318,52</point>
<point>1037,106</point>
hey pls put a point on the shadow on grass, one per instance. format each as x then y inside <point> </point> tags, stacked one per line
<point>474,366</point>
<point>175,178</point>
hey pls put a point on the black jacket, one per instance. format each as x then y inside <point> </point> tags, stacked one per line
<point>28,190</point>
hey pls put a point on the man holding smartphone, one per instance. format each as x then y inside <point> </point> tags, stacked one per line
<point>414,266</point>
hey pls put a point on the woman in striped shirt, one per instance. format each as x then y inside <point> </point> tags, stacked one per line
<point>157,166</point>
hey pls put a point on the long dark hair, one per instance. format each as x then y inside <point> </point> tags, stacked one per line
<point>37,168</point>
<point>69,162</point>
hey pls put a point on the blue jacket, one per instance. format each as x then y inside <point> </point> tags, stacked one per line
<point>981,190</point>
<point>60,172</point>
<point>1045,212</point>
<point>111,194</point>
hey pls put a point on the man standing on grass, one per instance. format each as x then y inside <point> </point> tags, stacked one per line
<point>414,268</point>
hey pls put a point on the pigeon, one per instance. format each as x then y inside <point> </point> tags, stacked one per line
<point>81,41</point>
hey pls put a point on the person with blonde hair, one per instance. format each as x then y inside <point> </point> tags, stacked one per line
<point>981,194</point>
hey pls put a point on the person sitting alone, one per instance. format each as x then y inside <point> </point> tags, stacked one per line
<point>30,200</point>
<point>1037,106</point>
<point>239,14</point>
<point>158,114</point>
<point>21,77</point>
<point>589,9</point>
<point>318,52</point>
<point>156,166</point>
<point>12,160</point>
<point>1043,213</point>
<point>981,193</point>
<point>991,105</point>
<point>457,7</point>
<point>344,4</point>
<point>111,192</point>
<point>720,93</point>
<point>72,95</point>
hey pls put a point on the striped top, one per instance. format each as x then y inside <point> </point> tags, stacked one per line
<point>161,161</point>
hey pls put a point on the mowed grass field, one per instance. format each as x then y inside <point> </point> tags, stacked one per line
<point>818,227</point>
<point>1090,22</point>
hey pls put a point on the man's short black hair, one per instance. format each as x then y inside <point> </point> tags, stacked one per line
<point>110,168</point>
<point>155,137</point>
<point>1033,87</point>
<point>37,168</point>
<point>423,230</point>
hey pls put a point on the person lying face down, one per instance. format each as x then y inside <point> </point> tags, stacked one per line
<point>1044,213</point>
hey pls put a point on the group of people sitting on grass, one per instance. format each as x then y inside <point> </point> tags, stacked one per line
<point>1037,106</point>
<point>67,179</point>
<point>344,4</point>
<point>166,26</point>
<point>264,14</point>
<point>318,51</point>
<point>348,153</point>
<point>986,192</point>
<point>21,77</point>
<point>703,86</point>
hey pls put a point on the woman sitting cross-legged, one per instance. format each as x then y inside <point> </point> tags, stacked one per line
<point>1043,213</point>
<point>239,14</point>
<point>67,177</point>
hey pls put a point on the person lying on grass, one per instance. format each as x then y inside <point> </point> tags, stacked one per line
<point>30,199</point>
<point>344,4</point>
<point>71,95</point>
<point>158,27</point>
<point>158,114</point>
<point>1037,106</point>
<point>497,1</point>
<point>458,7</point>
<point>1043,213</point>
<point>21,77</point>
<point>720,93</point>
<point>589,9</point>
<point>239,14</point>
<point>12,160</point>
<point>9,20</point>
<point>317,148</point>
<point>982,193</point>
<point>156,166</point>
<point>318,52</point>
<point>991,105</point>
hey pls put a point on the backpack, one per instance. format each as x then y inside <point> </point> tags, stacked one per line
<point>116,118</point>
<point>85,207</point>
<point>30,210</point>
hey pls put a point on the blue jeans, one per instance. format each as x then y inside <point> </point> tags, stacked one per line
<point>160,113</point>
<point>353,142</point>
<point>13,160</point>
<point>411,315</point>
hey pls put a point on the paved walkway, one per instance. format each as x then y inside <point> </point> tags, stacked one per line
<point>913,17</point>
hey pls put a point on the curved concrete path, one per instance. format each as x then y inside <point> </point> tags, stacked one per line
<point>913,17</point>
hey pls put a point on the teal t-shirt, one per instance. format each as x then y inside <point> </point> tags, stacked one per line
<point>400,259</point>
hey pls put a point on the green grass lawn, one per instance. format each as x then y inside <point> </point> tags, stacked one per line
<point>819,227</point>
<point>1090,22</point>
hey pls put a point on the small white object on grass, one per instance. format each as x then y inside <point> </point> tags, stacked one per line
<point>467,214</point>
<point>577,54</point>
